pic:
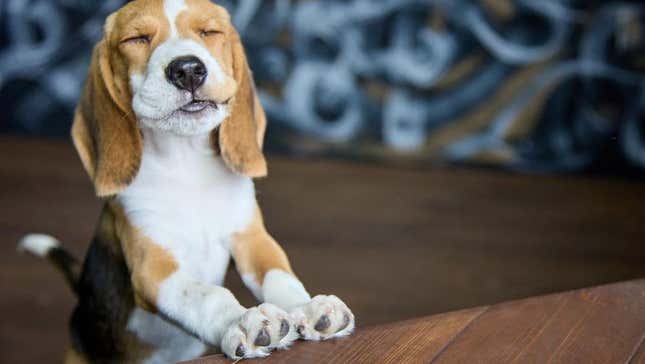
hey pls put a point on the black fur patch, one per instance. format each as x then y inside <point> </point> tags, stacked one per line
<point>67,264</point>
<point>98,324</point>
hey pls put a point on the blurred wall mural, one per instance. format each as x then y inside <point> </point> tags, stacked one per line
<point>548,85</point>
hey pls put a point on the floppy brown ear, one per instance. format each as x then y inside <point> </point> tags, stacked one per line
<point>105,132</point>
<point>241,134</point>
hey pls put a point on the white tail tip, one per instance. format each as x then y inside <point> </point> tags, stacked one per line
<point>38,244</point>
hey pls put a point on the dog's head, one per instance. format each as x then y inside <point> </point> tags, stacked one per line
<point>173,65</point>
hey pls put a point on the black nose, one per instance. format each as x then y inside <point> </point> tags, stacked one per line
<point>186,73</point>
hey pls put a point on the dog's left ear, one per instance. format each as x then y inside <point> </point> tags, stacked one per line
<point>241,134</point>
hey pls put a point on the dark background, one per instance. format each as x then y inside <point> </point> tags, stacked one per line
<point>371,104</point>
<point>540,86</point>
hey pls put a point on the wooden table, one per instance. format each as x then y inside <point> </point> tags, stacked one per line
<point>604,324</point>
<point>394,243</point>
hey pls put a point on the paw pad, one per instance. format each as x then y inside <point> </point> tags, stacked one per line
<point>239,352</point>
<point>258,331</point>
<point>322,318</point>
<point>284,328</point>
<point>323,323</point>
<point>263,338</point>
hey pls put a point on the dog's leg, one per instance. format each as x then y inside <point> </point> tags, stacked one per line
<point>265,269</point>
<point>210,312</point>
<point>160,285</point>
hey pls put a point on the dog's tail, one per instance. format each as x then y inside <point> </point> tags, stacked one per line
<point>48,247</point>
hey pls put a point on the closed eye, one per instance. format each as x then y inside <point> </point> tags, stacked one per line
<point>205,33</point>
<point>139,39</point>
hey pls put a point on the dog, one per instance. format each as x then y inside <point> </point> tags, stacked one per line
<point>169,129</point>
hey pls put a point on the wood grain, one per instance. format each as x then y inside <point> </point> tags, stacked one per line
<point>638,357</point>
<point>598,325</point>
<point>412,341</point>
<point>394,243</point>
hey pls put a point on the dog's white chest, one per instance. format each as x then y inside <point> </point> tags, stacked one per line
<point>185,199</point>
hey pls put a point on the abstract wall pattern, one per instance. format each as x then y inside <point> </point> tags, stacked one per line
<point>549,85</point>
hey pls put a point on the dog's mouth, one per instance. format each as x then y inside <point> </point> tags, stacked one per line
<point>196,106</point>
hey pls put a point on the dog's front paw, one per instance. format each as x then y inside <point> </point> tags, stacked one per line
<point>257,332</point>
<point>322,318</point>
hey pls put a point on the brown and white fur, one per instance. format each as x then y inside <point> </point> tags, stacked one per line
<point>179,197</point>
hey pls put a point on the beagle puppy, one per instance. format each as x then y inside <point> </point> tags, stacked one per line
<point>169,129</point>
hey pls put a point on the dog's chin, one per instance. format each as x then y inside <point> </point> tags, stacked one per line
<point>189,120</point>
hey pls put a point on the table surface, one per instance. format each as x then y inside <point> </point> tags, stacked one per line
<point>604,324</point>
<point>394,243</point>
